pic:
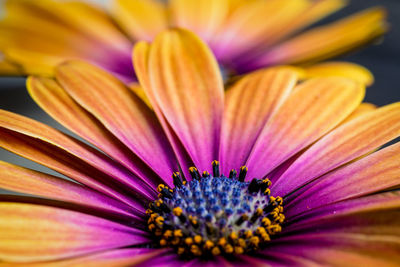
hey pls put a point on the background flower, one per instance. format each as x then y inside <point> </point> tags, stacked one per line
<point>244,35</point>
<point>314,139</point>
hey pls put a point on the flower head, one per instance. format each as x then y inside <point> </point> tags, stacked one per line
<point>276,170</point>
<point>37,35</point>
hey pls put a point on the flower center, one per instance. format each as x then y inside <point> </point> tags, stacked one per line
<point>215,214</point>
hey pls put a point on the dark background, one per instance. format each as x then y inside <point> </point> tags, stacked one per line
<point>382,59</point>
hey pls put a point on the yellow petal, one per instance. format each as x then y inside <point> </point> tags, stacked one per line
<point>342,69</point>
<point>329,40</point>
<point>141,19</point>
<point>8,68</point>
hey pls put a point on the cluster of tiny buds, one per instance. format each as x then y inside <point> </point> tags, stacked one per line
<point>213,214</point>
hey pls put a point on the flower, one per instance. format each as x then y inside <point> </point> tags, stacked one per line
<point>37,35</point>
<point>148,187</point>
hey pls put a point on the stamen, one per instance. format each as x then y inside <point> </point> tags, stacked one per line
<point>214,215</point>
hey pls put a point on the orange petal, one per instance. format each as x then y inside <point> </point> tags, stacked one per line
<point>187,86</point>
<point>115,257</point>
<point>120,111</point>
<point>248,106</point>
<point>140,60</point>
<point>141,19</point>
<point>56,102</point>
<point>33,233</point>
<point>328,41</point>
<point>313,109</point>
<point>341,69</point>
<point>51,148</point>
<point>347,142</point>
<point>27,181</point>
<point>139,91</point>
<point>362,109</point>
<point>374,173</point>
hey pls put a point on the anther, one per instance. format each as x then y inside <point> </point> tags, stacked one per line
<point>177,179</point>
<point>232,174</point>
<point>206,174</point>
<point>215,167</point>
<point>242,219</point>
<point>194,173</point>
<point>256,215</point>
<point>254,186</point>
<point>242,173</point>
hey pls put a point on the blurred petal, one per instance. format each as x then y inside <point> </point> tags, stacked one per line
<point>188,88</point>
<point>27,181</point>
<point>342,69</point>
<point>204,17</point>
<point>376,172</point>
<point>121,112</point>
<point>327,41</point>
<point>8,68</point>
<point>316,11</point>
<point>248,27</point>
<point>38,35</point>
<point>347,142</point>
<point>313,109</point>
<point>32,233</point>
<point>51,148</point>
<point>248,106</point>
<point>141,19</point>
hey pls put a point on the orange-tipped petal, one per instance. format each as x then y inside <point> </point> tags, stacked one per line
<point>341,69</point>
<point>139,91</point>
<point>35,233</point>
<point>141,62</point>
<point>50,96</point>
<point>51,148</point>
<point>313,109</point>
<point>114,258</point>
<point>184,80</point>
<point>31,182</point>
<point>248,106</point>
<point>120,111</point>
<point>347,142</point>
<point>362,109</point>
<point>141,19</point>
